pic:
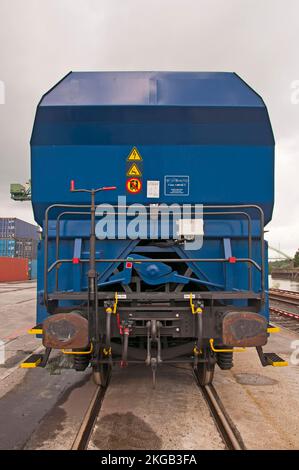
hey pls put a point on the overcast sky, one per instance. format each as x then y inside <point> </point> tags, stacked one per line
<point>42,40</point>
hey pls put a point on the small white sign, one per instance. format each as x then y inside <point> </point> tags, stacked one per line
<point>121,296</point>
<point>190,228</point>
<point>153,189</point>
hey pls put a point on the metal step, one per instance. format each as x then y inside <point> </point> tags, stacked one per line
<point>274,360</point>
<point>36,330</point>
<point>32,361</point>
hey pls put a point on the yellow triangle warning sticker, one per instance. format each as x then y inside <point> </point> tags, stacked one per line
<point>134,155</point>
<point>134,170</point>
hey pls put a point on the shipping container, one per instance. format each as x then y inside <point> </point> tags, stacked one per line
<point>18,248</point>
<point>11,227</point>
<point>7,247</point>
<point>33,269</point>
<point>13,269</point>
<point>26,248</point>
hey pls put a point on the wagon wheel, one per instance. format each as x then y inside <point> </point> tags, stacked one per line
<point>205,370</point>
<point>101,372</point>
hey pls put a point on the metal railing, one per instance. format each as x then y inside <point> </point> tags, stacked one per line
<point>213,210</point>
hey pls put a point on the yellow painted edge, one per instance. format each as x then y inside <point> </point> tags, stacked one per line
<point>35,331</point>
<point>65,351</point>
<point>224,350</point>
<point>30,365</point>
<point>280,364</point>
<point>273,329</point>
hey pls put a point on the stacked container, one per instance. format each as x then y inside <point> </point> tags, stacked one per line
<point>16,228</point>
<point>18,239</point>
<point>13,269</point>
<point>19,248</point>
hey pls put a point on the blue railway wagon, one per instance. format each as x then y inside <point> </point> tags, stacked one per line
<point>112,293</point>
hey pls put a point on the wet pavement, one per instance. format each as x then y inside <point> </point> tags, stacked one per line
<point>28,398</point>
<point>174,415</point>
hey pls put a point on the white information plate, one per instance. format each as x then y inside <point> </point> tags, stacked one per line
<point>153,189</point>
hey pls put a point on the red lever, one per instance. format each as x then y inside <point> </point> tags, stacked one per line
<point>72,188</point>
<point>232,259</point>
<point>108,188</point>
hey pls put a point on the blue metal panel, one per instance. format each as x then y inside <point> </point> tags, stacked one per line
<point>146,88</point>
<point>209,128</point>
<point>218,175</point>
<point>213,124</point>
<point>151,126</point>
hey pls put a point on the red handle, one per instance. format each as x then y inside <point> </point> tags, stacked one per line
<point>108,188</point>
<point>105,188</point>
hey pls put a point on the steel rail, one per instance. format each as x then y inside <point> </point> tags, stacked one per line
<point>288,293</point>
<point>284,313</point>
<point>294,301</point>
<point>81,440</point>
<point>226,428</point>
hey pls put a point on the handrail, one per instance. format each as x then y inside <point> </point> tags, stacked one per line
<point>206,213</point>
<point>226,211</point>
<point>159,260</point>
<point>58,236</point>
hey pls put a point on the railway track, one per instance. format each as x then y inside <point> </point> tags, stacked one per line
<point>228,432</point>
<point>82,438</point>
<point>285,319</point>
<point>284,308</point>
<point>283,292</point>
<point>284,297</point>
<point>224,425</point>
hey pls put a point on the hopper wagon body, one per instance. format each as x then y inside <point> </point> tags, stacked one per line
<point>115,157</point>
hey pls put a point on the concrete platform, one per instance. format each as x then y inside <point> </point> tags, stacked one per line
<point>28,398</point>
<point>17,315</point>
<point>264,402</point>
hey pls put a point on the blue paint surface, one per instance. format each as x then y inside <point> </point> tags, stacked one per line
<point>210,127</point>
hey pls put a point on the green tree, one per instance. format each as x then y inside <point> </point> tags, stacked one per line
<point>296,259</point>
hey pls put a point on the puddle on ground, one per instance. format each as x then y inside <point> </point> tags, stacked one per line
<point>254,379</point>
<point>124,431</point>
